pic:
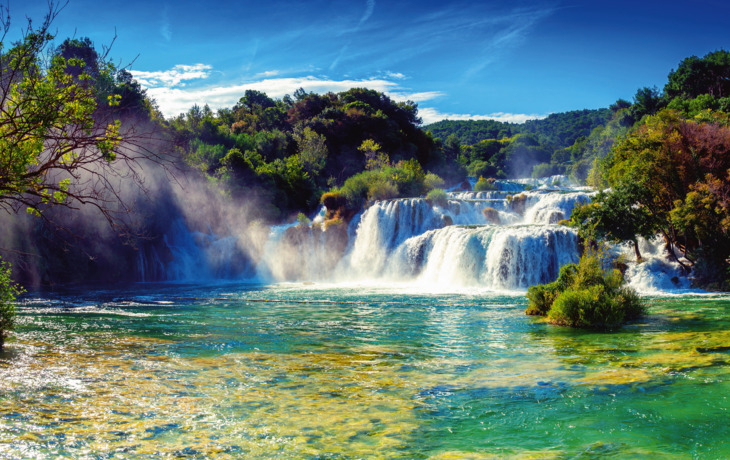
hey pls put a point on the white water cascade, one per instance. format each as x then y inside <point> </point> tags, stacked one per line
<point>517,243</point>
<point>504,239</point>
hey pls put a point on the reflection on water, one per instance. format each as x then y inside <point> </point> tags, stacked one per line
<point>308,372</point>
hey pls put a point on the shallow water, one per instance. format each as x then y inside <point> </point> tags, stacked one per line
<point>317,371</point>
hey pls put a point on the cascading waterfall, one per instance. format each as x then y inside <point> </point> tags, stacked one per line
<point>504,239</point>
<point>513,253</point>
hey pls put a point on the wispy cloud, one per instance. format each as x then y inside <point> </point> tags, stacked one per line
<point>416,97</point>
<point>430,115</point>
<point>172,77</point>
<point>369,8</point>
<point>464,36</point>
<point>514,30</point>
<point>339,57</point>
<point>396,75</point>
<point>165,29</point>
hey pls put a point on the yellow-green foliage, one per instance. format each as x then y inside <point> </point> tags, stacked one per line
<point>585,295</point>
<point>432,181</point>
<point>484,185</point>
<point>332,223</point>
<point>517,202</point>
<point>405,179</point>
<point>8,292</point>
<point>438,197</point>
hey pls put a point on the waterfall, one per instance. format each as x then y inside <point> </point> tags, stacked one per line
<point>504,239</point>
<point>410,240</point>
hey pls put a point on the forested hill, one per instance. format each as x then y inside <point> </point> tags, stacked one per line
<point>559,129</point>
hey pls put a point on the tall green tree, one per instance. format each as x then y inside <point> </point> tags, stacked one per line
<point>59,143</point>
<point>617,216</point>
<point>695,76</point>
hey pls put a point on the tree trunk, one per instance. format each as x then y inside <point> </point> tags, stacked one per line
<point>639,259</point>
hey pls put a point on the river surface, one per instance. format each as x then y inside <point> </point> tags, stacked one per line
<point>357,371</point>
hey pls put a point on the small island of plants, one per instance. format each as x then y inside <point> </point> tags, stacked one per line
<point>586,295</point>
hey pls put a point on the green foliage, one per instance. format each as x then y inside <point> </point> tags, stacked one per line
<point>303,220</point>
<point>585,295</point>
<point>61,115</point>
<point>617,215</point>
<point>666,159</point>
<point>546,170</point>
<point>318,141</point>
<point>312,149</point>
<point>409,178</point>
<point>484,185</point>
<point>374,157</point>
<point>542,296</point>
<point>432,181</point>
<point>696,76</point>
<point>8,293</point>
<point>405,179</point>
<point>438,197</point>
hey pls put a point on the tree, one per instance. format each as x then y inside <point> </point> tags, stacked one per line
<point>673,173</point>
<point>615,216</point>
<point>374,157</point>
<point>695,76</point>
<point>647,101</point>
<point>59,144</point>
<point>83,50</point>
<point>312,150</point>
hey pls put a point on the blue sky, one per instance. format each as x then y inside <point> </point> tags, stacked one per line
<point>506,60</point>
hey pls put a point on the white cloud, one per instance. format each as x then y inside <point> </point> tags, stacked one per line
<point>173,101</point>
<point>172,77</point>
<point>173,97</point>
<point>396,75</point>
<point>430,115</point>
<point>417,97</point>
<point>267,74</point>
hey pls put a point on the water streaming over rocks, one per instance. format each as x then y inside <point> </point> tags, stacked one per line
<point>503,239</point>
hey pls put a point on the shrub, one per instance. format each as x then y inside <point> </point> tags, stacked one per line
<point>492,215</point>
<point>484,185</point>
<point>303,220</point>
<point>8,292</point>
<point>585,295</point>
<point>517,202</point>
<point>438,197</point>
<point>381,189</point>
<point>334,200</point>
<point>589,307</point>
<point>409,178</point>
<point>542,296</point>
<point>432,181</point>
<point>332,223</point>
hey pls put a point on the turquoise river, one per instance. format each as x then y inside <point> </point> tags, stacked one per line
<point>317,371</point>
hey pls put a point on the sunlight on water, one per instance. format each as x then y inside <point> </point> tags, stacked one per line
<point>294,371</point>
